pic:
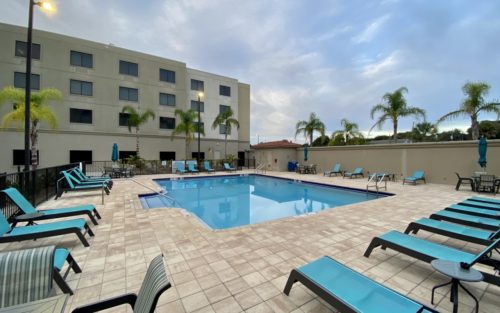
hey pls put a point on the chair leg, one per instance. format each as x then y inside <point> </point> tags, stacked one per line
<point>458,184</point>
<point>62,283</point>
<point>291,280</point>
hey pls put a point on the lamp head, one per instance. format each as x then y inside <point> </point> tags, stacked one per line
<point>200,95</point>
<point>47,6</point>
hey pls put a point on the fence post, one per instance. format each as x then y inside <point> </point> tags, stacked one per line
<point>33,187</point>
<point>46,184</point>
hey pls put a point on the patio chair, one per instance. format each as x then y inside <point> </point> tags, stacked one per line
<point>229,168</point>
<point>465,181</point>
<point>26,208</point>
<point>484,200</point>
<point>207,167</point>
<point>428,251</point>
<point>474,211</point>
<point>358,171</point>
<point>486,183</point>
<point>154,284</point>
<point>84,178</point>
<point>474,235</point>
<point>191,168</point>
<point>72,185</point>
<point>466,219</point>
<point>334,171</point>
<point>78,227</point>
<point>480,205</point>
<point>413,179</point>
<point>180,169</point>
<point>78,181</point>
<point>350,291</point>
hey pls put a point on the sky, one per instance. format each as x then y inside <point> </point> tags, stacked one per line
<point>336,58</point>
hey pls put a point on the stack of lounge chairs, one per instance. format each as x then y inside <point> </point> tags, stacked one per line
<point>71,181</point>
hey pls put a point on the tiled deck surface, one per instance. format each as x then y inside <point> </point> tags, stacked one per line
<point>245,269</point>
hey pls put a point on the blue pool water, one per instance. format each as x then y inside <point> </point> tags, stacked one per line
<point>229,201</point>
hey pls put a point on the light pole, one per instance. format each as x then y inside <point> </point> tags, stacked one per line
<point>27,87</point>
<point>200,95</point>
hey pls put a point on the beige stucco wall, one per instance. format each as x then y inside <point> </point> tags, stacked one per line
<point>439,160</point>
<point>275,159</point>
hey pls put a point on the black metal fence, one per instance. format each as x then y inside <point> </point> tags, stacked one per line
<point>37,186</point>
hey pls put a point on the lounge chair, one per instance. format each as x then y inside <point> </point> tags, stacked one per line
<point>74,186</point>
<point>474,211</point>
<point>25,206</point>
<point>485,200</point>
<point>427,251</point>
<point>207,167</point>
<point>479,236</point>
<point>154,284</point>
<point>465,181</point>
<point>84,178</point>
<point>191,168</point>
<point>78,227</point>
<point>466,219</point>
<point>334,171</point>
<point>229,168</point>
<point>413,179</point>
<point>350,291</point>
<point>358,171</point>
<point>78,181</point>
<point>480,205</point>
<point>180,169</point>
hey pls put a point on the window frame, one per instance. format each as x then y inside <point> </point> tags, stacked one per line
<point>223,87</point>
<point>33,50</point>
<point>120,114</point>
<point>165,118</point>
<point>195,103</point>
<point>195,85</point>
<point>81,56</point>
<point>168,96</point>
<point>170,76</point>
<point>82,83</point>
<point>80,122</point>
<point>127,70</point>
<point>33,75</point>
<point>128,89</point>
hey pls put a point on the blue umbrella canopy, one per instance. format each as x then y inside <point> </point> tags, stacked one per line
<point>482,148</point>
<point>114,153</point>
<point>306,152</point>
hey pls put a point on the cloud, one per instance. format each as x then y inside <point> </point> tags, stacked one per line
<point>371,30</point>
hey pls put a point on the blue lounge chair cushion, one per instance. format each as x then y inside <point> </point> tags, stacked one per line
<point>470,218</point>
<point>485,199</point>
<point>60,257</point>
<point>24,230</point>
<point>79,208</point>
<point>430,248</point>
<point>191,167</point>
<point>455,228</point>
<point>492,213</point>
<point>481,204</point>
<point>358,291</point>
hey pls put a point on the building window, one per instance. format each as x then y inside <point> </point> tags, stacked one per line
<point>195,103</point>
<point>18,157</point>
<point>167,122</point>
<point>129,68</point>
<point>129,94</point>
<point>199,126</point>
<point>222,129</point>
<point>197,85</point>
<point>167,76</point>
<point>126,154</point>
<point>167,155</point>
<point>194,155</point>
<point>81,59</point>
<point>20,80</point>
<point>80,116</point>
<point>224,108</point>
<point>79,87</point>
<point>167,99</point>
<point>123,119</point>
<point>76,156</point>
<point>22,49</point>
<point>224,90</point>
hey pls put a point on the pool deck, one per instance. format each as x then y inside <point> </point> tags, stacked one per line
<point>245,269</point>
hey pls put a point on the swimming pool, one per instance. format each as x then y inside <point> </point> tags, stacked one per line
<point>223,202</point>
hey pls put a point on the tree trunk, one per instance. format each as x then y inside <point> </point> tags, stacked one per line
<point>137,141</point>
<point>225,145</point>
<point>34,144</point>
<point>311,139</point>
<point>474,127</point>
<point>395,129</point>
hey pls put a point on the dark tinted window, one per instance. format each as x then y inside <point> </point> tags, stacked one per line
<point>225,90</point>
<point>76,156</point>
<point>124,119</point>
<point>223,108</point>
<point>167,76</point>
<point>167,99</point>
<point>222,129</point>
<point>129,68</point>
<point>18,157</point>
<point>200,125</point>
<point>80,116</point>
<point>20,80</point>
<point>194,155</point>
<point>21,49</point>
<point>129,94</point>
<point>194,105</point>
<point>79,87</point>
<point>167,155</point>
<point>167,122</point>
<point>126,154</point>
<point>81,59</point>
<point>197,85</point>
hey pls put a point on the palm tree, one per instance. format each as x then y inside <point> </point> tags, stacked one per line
<point>226,118</point>
<point>350,130</point>
<point>39,112</point>
<point>136,119</point>
<point>187,126</point>
<point>423,130</point>
<point>395,108</point>
<point>309,127</point>
<point>473,104</point>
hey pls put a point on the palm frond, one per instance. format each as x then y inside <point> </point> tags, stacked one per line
<point>451,116</point>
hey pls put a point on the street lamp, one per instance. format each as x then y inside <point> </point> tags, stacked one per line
<point>27,88</point>
<point>200,96</point>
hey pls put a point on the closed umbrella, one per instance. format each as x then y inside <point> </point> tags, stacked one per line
<point>114,153</point>
<point>482,148</point>
<point>306,152</point>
